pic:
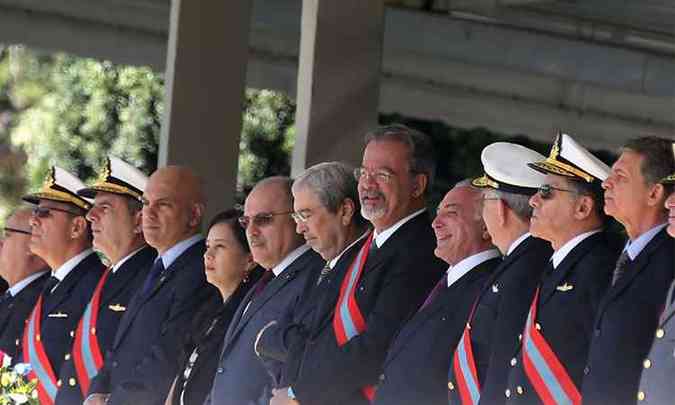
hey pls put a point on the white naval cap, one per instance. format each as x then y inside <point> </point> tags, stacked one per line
<point>61,186</point>
<point>569,159</point>
<point>118,177</point>
<point>670,179</point>
<point>506,170</point>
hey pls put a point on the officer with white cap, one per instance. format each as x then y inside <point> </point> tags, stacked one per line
<point>116,224</point>
<point>479,367</point>
<point>62,238</point>
<point>567,212</point>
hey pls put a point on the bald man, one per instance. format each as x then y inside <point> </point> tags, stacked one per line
<point>25,273</point>
<point>143,359</point>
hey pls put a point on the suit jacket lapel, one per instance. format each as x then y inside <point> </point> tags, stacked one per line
<point>64,288</point>
<point>123,277</point>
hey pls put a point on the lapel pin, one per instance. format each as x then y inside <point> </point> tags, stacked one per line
<point>117,308</point>
<point>565,287</point>
<point>58,315</point>
<point>495,288</point>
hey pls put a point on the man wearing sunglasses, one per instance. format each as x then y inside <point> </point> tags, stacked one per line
<point>567,212</point>
<point>25,273</point>
<point>116,224</point>
<point>241,378</point>
<point>628,315</point>
<point>61,236</point>
<point>479,362</point>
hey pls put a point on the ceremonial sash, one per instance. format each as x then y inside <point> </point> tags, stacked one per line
<point>348,320</point>
<point>543,369</point>
<point>87,355</point>
<point>464,366</point>
<point>34,353</point>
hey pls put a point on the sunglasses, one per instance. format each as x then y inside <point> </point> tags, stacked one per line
<point>45,212</point>
<point>262,219</point>
<point>546,191</point>
<point>7,229</point>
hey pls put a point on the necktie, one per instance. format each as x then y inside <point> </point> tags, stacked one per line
<point>154,275</point>
<point>49,286</point>
<point>262,283</point>
<point>440,286</point>
<point>324,272</point>
<point>620,268</point>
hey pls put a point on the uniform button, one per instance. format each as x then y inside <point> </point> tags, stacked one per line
<point>451,386</point>
<point>537,326</point>
<point>520,390</point>
<point>443,318</point>
<point>72,333</point>
<point>220,370</point>
<point>17,342</point>
<point>59,383</point>
<point>647,363</point>
<point>507,393</point>
<point>72,382</point>
<point>596,332</point>
<point>641,396</point>
<point>660,333</point>
<point>381,378</point>
<point>587,370</point>
<point>66,357</point>
<point>514,362</point>
<point>520,337</point>
<point>115,364</point>
<point>37,337</point>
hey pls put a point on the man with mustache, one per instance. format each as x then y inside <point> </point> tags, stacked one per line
<point>385,283</point>
<point>416,368</point>
<point>142,362</point>
<point>656,384</point>
<point>26,273</point>
<point>568,212</point>
<point>628,315</point>
<point>291,266</point>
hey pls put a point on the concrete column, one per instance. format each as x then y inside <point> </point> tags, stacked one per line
<point>338,79</point>
<point>205,79</point>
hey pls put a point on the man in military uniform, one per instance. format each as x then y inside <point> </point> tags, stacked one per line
<point>568,212</point>
<point>479,366</point>
<point>416,368</point>
<point>62,238</point>
<point>116,224</point>
<point>25,273</point>
<point>656,384</point>
<point>628,314</point>
<point>143,360</point>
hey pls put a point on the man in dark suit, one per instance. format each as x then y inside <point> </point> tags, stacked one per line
<point>479,363</point>
<point>386,281</point>
<point>656,383</point>
<point>416,368</point>
<point>568,212</point>
<point>61,236</point>
<point>628,315</point>
<point>143,360</point>
<point>116,224</point>
<point>241,378</point>
<point>25,273</point>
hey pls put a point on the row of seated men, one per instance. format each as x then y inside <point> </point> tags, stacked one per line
<point>340,287</point>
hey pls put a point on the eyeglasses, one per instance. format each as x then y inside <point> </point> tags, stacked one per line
<point>380,176</point>
<point>45,212</point>
<point>546,191</point>
<point>303,215</point>
<point>262,219</point>
<point>13,230</point>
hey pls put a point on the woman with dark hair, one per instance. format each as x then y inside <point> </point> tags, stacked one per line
<point>229,267</point>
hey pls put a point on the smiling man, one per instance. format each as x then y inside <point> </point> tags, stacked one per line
<point>628,315</point>
<point>62,238</point>
<point>142,361</point>
<point>567,212</point>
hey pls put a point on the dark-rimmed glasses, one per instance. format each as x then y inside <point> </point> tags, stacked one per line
<point>546,191</point>
<point>380,175</point>
<point>13,230</point>
<point>44,212</point>
<point>262,219</point>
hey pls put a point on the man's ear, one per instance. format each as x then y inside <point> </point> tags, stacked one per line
<point>656,195</point>
<point>78,227</point>
<point>346,211</point>
<point>583,207</point>
<point>196,214</point>
<point>420,183</point>
<point>138,222</point>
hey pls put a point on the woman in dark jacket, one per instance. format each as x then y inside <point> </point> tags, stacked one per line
<point>230,267</point>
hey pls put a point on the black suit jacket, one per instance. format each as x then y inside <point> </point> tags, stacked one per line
<point>241,377</point>
<point>13,315</point>
<point>117,292</point>
<point>416,369</point>
<point>62,309</point>
<point>625,324</point>
<point>568,300</point>
<point>500,314</point>
<point>143,359</point>
<point>395,281</point>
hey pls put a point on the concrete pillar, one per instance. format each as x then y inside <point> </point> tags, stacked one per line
<point>338,79</point>
<point>205,80</point>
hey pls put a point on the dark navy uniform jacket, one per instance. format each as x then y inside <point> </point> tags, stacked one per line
<point>499,317</point>
<point>568,300</point>
<point>395,281</point>
<point>416,369</point>
<point>117,292</point>
<point>241,378</point>
<point>625,325</point>
<point>13,315</point>
<point>143,360</point>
